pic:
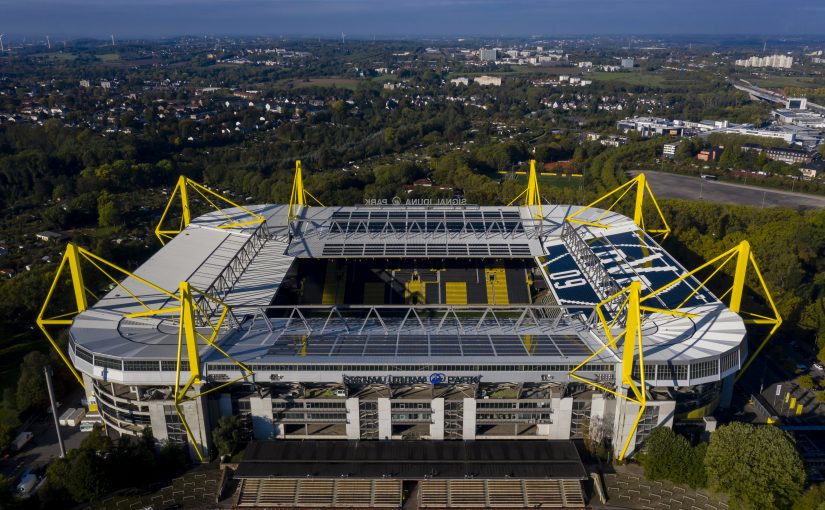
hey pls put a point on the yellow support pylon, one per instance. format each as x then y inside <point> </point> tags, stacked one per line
<point>632,350</point>
<point>299,196</point>
<point>72,259</point>
<point>189,337</point>
<point>182,188</point>
<point>642,188</point>
<point>744,260</point>
<point>532,196</point>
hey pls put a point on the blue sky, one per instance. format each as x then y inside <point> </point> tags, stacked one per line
<point>365,18</point>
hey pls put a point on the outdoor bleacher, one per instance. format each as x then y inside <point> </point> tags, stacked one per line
<point>318,493</point>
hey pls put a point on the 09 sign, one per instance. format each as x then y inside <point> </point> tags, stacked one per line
<point>567,279</point>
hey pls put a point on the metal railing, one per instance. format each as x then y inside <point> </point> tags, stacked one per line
<point>591,267</point>
<point>230,274</point>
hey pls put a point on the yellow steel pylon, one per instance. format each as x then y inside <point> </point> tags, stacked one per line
<point>299,196</point>
<point>744,260</point>
<point>532,197</point>
<point>182,188</point>
<point>639,183</point>
<point>73,259</point>
<point>189,336</point>
<point>632,350</point>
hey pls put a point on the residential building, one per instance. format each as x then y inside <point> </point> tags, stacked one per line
<point>488,80</point>
<point>487,55</point>
<point>777,61</point>
<point>669,150</point>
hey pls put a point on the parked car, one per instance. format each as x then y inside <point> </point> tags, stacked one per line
<point>27,482</point>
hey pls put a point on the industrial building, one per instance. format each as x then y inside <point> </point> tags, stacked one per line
<point>404,322</point>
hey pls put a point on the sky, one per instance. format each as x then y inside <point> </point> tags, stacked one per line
<point>402,18</point>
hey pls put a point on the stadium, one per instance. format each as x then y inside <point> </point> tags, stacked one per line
<point>511,329</point>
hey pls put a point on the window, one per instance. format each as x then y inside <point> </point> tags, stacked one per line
<point>141,366</point>
<point>704,369</point>
<point>650,417</point>
<point>730,360</point>
<point>107,362</point>
<point>580,419</point>
<point>169,366</point>
<point>83,354</point>
<point>175,431</point>
<point>672,372</point>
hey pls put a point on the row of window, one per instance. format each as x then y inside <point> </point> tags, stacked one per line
<point>668,372</point>
<point>130,365</point>
<point>216,367</point>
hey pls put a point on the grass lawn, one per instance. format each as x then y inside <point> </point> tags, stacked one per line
<point>629,77</point>
<point>332,81</point>
<point>109,57</point>
<point>789,81</point>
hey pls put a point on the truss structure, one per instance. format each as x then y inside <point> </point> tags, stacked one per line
<point>632,351</point>
<point>744,260</point>
<point>642,189</point>
<point>299,197</point>
<point>190,335</point>
<point>182,190</point>
<point>532,197</point>
<point>73,260</point>
<point>412,319</point>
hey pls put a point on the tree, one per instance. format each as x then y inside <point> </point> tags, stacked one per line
<point>31,385</point>
<point>6,436</point>
<point>7,499</point>
<point>757,465</point>
<point>227,435</point>
<point>108,211</point>
<point>669,456</point>
<point>812,499</point>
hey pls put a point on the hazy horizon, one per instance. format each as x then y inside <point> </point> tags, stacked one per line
<point>405,18</point>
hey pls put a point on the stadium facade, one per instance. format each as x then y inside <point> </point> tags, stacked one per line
<point>404,321</point>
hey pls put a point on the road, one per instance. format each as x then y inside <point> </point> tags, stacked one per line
<point>687,187</point>
<point>43,448</point>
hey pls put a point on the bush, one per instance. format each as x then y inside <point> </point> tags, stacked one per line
<point>805,381</point>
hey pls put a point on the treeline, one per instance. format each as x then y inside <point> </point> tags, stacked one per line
<point>789,246</point>
<point>98,467</point>
<point>757,466</point>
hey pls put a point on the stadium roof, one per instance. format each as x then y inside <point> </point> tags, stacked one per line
<point>412,459</point>
<point>245,266</point>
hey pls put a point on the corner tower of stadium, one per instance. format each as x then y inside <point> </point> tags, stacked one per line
<point>404,321</point>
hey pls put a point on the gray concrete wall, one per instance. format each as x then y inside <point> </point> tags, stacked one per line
<point>469,429</point>
<point>562,414</point>
<point>261,409</point>
<point>437,423</point>
<point>158,421</point>
<point>353,418</point>
<point>384,419</point>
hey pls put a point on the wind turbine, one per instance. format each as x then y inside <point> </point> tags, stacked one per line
<point>48,42</point>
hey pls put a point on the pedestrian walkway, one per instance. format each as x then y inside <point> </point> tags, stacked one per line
<point>629,490</point>
<point>197,489</point>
